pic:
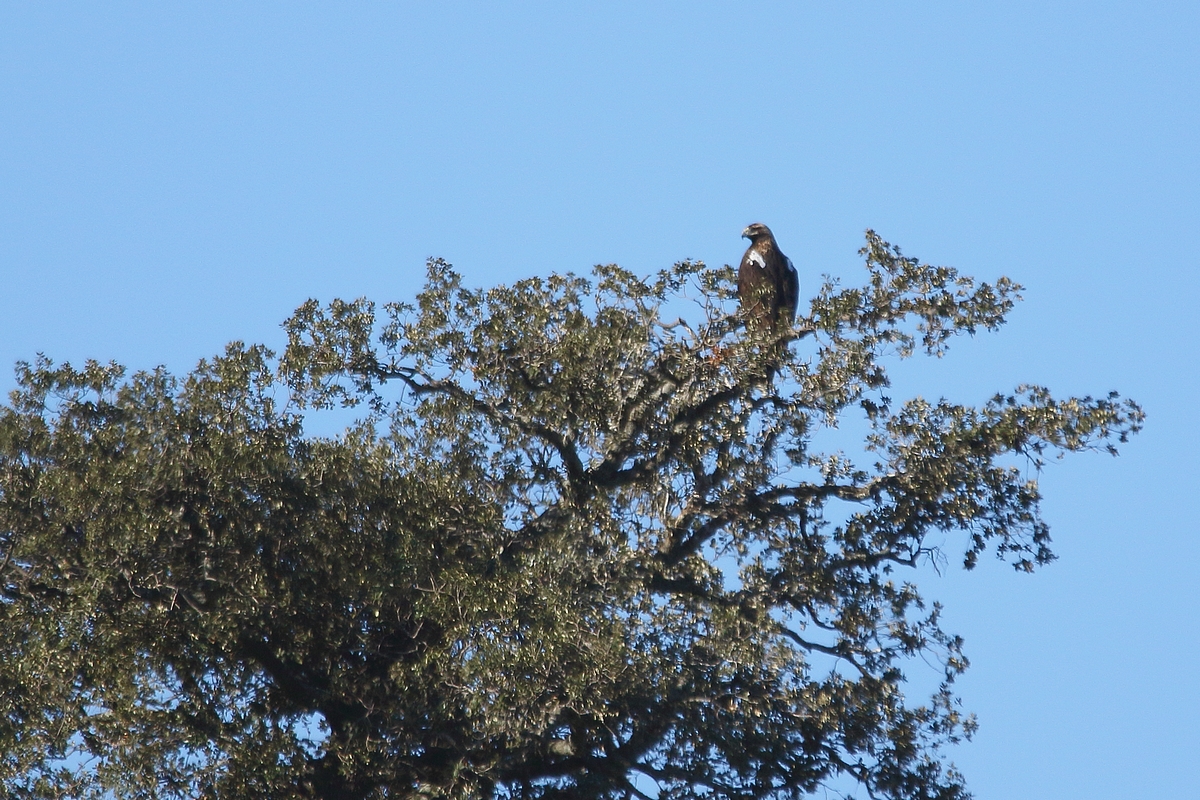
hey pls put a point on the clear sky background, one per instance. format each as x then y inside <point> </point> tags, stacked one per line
<point>173,177</point>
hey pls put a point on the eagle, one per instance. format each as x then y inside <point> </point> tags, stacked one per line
<point>768,286</point>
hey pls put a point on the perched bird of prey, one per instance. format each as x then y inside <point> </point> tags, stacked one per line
<point>768,286</point>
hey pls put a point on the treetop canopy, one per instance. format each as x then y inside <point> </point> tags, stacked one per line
<point>574,546</point>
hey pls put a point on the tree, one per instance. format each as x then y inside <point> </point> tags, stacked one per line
<point>567,549</point>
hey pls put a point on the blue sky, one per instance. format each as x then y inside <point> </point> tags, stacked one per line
<point>175,177</point>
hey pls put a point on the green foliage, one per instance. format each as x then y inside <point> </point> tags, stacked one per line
<point>571,548</point>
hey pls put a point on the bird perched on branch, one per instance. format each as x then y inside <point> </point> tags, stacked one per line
<point>768,286</point>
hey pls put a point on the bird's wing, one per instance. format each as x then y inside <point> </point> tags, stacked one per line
<point>791,289</point>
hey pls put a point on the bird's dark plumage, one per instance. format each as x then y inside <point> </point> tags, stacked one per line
<point>768,286</point>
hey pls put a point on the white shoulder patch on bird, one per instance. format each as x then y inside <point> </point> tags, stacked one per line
<point>756,259</point>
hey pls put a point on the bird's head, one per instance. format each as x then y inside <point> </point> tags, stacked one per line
<point>756,231</point>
